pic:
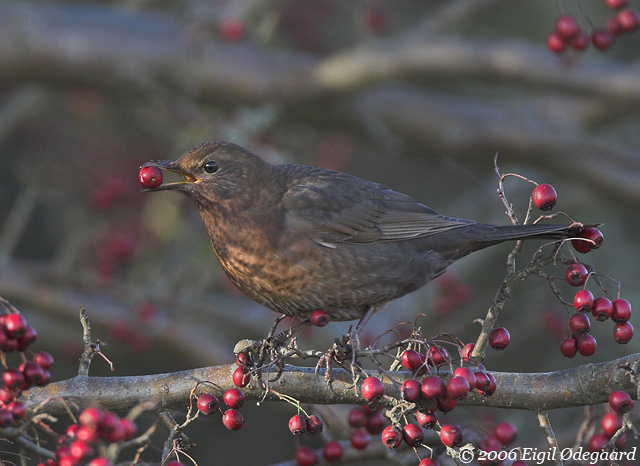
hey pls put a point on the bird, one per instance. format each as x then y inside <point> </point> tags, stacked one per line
<point>298,238</point>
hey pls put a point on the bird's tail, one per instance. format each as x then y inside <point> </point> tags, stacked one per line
<point>514,232</point>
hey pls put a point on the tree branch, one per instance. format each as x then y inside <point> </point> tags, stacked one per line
<point>531,391</point>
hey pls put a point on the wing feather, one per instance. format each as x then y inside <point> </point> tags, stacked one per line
<point>339,208</point>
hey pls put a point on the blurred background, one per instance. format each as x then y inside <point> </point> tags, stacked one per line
<point>419,96</point>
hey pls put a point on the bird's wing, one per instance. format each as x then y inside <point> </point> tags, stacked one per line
<point>337,208</point>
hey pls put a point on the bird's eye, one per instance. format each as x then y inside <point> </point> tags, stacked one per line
<point>211,166</point>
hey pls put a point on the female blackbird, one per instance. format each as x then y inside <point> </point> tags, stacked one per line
<point>297,238</point>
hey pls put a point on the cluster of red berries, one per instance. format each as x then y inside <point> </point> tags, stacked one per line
<point>16,335</point>
<point>620,402</point>
<point>544,197</point>
<point>234,397</point>
<point>504,434</point>
<point>568,32</point>
<point>96,428</point>
<point>602,308</point>
<point>430,395</point>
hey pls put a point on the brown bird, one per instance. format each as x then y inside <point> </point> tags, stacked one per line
<point>297,238</point>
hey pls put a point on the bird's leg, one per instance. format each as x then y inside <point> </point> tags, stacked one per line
<point>273,341</point>
<point>364,319</point>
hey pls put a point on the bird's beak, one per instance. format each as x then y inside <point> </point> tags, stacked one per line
<point>173,176</point>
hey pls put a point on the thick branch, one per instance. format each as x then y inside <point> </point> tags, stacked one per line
<point>580,386</point>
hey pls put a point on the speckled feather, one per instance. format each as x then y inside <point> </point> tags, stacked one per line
<point>297,238</point>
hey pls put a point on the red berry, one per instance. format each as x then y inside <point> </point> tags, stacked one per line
<point>87,434</point>
<point>579,324</point>
<point>602,309</point>
<point>233,398</point>
<point>33,373</point>
<point>411,390</point>
<point>457,388</point>
<point>576,274</point>
<point>629,20</point>
<point>6,418</point>
<point>580,41</point>
<point>544,196</point>
<point>306,456</point>
<point>360,439</point>
<point>43,359</point>
<point>232,419</point>
<point>7,395</point>
<point>451,435</point>
<point>174,463</point>
<point>499,338</point>
<point>112,429</point>
<point>15,325</point>
<point>102,461</point>
<point>505,432</point>
<point>597,442</point>
<point>569,347</point>
<point>567,28</point>
<point>375,424</point>
<point>467,350</point>
<point>333,451</point>
<point>319,318</point>
<point>603,39</point>
<point>617,4</point>
<point>614,26</point>
<point>150,177</point>
<point>467,374</point>
<point>620,401</point>
<point>129,427</point>
<point>208,403</point>
<point>13,377</point>
<point>314,424</point>
<point>392,437</point>
<point>412,360</point>
<point>427,420</point>
<point>583,301</point>
<point>17,408</point>
<point>80,450</point>
<point>232,30</point>
<point>243,360</point>
<point>446,404</point>
<point>412,434</point>
<point>623,332</point>
<point>621,310</point>
<point>428,462</point>
<point>241,377</point>
<point>587,345</point>
<point>555,43</point>
<point>372,389</point>
<point>594,236</point>
<point>357,417</point>
<point>485,383</point>
<point>438,355</point>
<point>433,387</point>
<point>610,423</point>
<point>298,424</point>
<point>28,336</point>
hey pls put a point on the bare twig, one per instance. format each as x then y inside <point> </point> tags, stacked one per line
<point>545,425</point>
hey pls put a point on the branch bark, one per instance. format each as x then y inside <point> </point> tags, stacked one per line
<point>580,386</point>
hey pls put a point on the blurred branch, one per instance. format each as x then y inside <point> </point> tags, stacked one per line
<point>580,386</point>
<point>79,43</point>
<point>153,54</point>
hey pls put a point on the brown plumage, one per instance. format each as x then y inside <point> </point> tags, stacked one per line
<point>297,238</point>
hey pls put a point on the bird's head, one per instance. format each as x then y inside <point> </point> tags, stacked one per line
<point>209,172</point>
